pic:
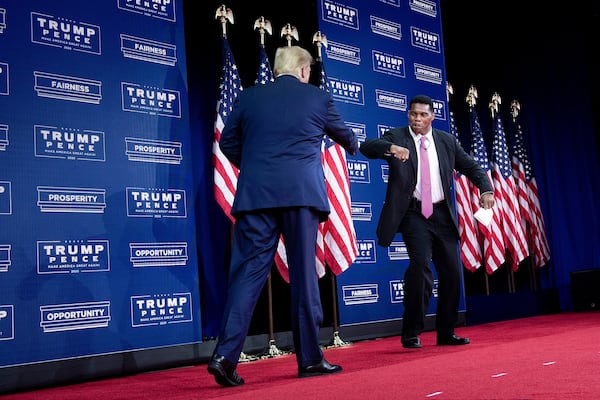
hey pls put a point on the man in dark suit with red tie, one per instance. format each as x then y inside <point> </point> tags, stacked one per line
<point>274,136</point>
<point>430,231</point>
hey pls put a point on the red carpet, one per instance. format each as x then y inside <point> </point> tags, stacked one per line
<point>545,357</point>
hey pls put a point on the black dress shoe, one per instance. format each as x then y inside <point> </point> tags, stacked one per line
<point>452,340</point>
<point>411,343</point>
<point>322,368</point>
<point>224,371</point>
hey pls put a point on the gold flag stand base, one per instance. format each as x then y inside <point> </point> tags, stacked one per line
<point>274,351</point>
<point>337,341</point>
<point>247,358</point>
<point>271,352</point>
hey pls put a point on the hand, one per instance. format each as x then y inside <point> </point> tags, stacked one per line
<point>399,152</point>
<point>487,200</point>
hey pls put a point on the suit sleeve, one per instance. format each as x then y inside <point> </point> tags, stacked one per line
<point>378,147</point>
<point>338,131</point>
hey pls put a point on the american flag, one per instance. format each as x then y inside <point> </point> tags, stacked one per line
<point>506,197</point>
<point>529,202</point>
<point>265,74</point>
<point>493,241</point>
<point>470,249</point>
<point>225,174</point>
<point>336,241</point>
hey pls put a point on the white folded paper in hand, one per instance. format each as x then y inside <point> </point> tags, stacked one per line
<point>484,215</point>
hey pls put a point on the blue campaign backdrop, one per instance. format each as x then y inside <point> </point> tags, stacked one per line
<point>97,245</point>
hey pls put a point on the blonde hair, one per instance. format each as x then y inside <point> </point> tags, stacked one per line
<point>290,59</point>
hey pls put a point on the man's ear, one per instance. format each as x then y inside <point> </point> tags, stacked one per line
<point>305,73</point>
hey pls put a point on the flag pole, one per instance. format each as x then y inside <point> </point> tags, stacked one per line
<point>264,27</point>
<point>515,109</point>
<point>336,340</point>
<point>469,246</point>
<point>320,40</point>
<point>273,350</point>
<point>224,15</point>
<point>289,32</point>
<point>471,100</point>
<point>494,106</point>
<point>539,253</point>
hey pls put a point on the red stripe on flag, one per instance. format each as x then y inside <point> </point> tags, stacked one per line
<point>225,178</point>
<point>470,249</point>
<point>341,247</point>
<point>493,238</point>
<point>529,204</point>
<point>541,248</point>
<point>506,197</point>
<point>225,174</point>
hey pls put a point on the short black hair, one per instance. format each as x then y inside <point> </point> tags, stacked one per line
<point>421,99</point>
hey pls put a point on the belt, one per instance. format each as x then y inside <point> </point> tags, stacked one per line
<point>415,204</point>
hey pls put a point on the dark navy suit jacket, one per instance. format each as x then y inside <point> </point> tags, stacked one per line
<point>402,178</point>
<point>274,137</point>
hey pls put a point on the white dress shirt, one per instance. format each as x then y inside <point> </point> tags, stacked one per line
<point>437,191</point>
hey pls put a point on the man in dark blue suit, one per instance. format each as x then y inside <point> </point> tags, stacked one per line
<point>431,236</point>
<point>274,136</point>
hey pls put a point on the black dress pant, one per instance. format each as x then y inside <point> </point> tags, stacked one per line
<point>433,239</point>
